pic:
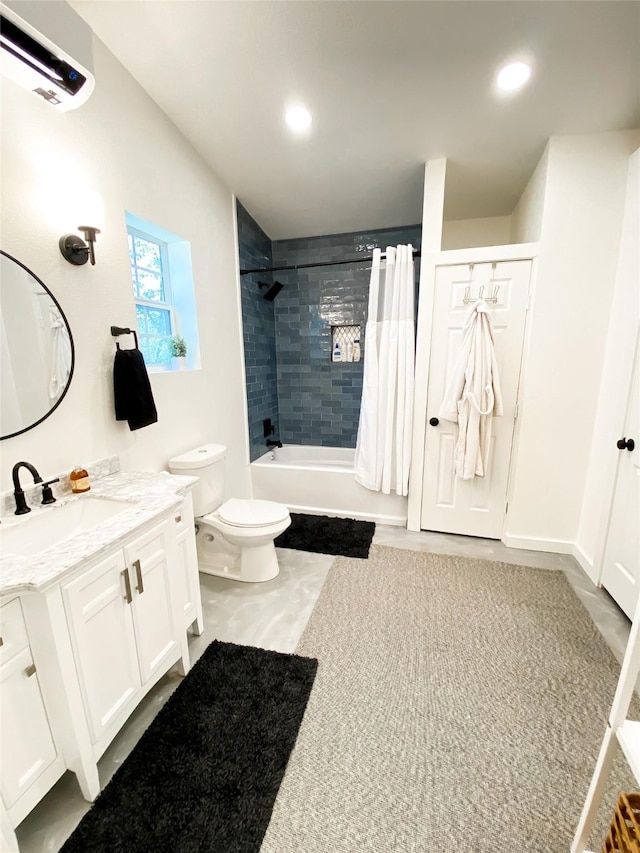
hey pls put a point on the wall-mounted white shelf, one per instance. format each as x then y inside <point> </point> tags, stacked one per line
<point>620,731</point>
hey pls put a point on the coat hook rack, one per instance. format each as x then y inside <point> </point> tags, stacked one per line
<point>116,331</point>
<point>469,298</point>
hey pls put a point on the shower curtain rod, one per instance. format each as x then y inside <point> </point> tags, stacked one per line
<point>416,254</point>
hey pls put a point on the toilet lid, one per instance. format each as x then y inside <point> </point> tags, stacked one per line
<point>252,513</point>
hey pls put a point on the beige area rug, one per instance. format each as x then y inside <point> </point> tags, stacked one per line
<point>459,706</point>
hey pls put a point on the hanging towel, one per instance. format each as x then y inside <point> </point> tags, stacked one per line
<point>473,396</point>
<point>132,390</point>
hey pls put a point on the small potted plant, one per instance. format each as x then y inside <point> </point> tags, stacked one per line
<point>178,352</point>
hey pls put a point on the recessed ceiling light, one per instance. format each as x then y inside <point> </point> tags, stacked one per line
<point>298,119</point>
<point>513,76</point>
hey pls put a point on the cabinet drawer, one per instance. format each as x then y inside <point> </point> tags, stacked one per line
<point>13,631</point>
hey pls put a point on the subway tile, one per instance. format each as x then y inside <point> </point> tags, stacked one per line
<point>317,402</point>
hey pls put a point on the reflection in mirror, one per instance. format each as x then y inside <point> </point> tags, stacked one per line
<point>36,349</point>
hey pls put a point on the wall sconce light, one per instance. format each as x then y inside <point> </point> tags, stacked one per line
<point>89,208</point>
<point>75,250</point>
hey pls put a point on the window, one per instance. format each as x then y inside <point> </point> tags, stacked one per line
<point>163,290</point>
<point>152,288</point>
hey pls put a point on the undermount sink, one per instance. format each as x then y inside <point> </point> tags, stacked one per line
<point>48,527</point>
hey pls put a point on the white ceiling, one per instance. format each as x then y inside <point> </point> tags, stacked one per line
<point>390,85</point>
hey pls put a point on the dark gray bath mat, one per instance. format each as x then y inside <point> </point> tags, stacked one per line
<point>321,534</point>
<point>204,776</point>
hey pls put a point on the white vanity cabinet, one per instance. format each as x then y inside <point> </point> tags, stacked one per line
<point>101,635</point>
<point>126,627</point>
<point>31,762</point>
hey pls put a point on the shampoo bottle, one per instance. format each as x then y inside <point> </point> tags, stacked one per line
<point>356,349</point>
<point>337,352</point>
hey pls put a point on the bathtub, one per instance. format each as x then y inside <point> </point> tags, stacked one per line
<point>320,481</point>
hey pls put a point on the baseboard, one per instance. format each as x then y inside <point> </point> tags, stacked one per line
<point>586,564</point>
<point>392,520</point>
<point>555,546</point>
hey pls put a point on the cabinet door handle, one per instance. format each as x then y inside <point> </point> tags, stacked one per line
<point>30,670</point>
<point>138,568</point>
<point>178,519</point>
<point>127,586</point>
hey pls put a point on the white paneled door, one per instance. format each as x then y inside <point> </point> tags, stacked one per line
<point>621,566</point>
<point>473,507</point>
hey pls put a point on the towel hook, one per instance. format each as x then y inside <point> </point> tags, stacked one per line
<point>493,290</point>
<point>496,287</point>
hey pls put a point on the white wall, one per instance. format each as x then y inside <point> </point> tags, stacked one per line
<point>121,145</point>
<point>580,234</point>
<point>435,172</point>
<point>616,377</point>
<point>469,233</point>
<point>526,218</point>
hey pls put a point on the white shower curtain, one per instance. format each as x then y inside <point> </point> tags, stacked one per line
<point>383,449</point>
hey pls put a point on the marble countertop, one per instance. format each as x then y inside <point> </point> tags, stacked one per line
<point>144,496</point>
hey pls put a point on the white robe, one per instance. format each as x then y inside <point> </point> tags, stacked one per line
<point>473,396</point>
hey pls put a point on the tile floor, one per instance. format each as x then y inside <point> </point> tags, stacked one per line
<point>273,616</point>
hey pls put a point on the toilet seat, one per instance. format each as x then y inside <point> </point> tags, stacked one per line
<point>252,513</point>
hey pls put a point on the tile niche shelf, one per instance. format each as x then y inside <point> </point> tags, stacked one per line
<point>345,337</point>
<point>620,731</point>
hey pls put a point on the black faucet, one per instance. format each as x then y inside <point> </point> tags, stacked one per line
<point>18,491</point>
<point>272,443</point>
<point>47,494</point>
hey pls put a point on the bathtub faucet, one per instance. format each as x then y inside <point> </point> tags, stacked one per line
<point>272,443</point>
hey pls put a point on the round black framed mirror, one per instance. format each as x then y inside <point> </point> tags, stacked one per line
<point>37,356</point>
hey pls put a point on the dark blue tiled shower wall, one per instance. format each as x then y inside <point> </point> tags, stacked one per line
<point>290,376</point>
<point>319,400</point>
<point>258,323</point>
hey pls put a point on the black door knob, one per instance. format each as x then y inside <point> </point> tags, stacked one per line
<point>434,421</point>
<point>625,444</point>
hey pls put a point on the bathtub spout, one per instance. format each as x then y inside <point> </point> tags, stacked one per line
<point>272,443</point>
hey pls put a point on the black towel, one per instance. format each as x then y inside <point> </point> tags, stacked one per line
<point>132,390</point>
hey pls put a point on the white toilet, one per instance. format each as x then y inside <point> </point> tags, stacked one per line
<point>234,539</point>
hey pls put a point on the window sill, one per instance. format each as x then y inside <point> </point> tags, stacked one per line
<point>159,368</point>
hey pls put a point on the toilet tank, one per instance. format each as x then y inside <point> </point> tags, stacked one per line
<point>207,463</point>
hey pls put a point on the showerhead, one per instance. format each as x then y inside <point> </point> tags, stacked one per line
<point>274,290</point>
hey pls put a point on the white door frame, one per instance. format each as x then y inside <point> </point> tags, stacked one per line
<point>429,264</point>
<point>623,336</point>
<point>618,421</point>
